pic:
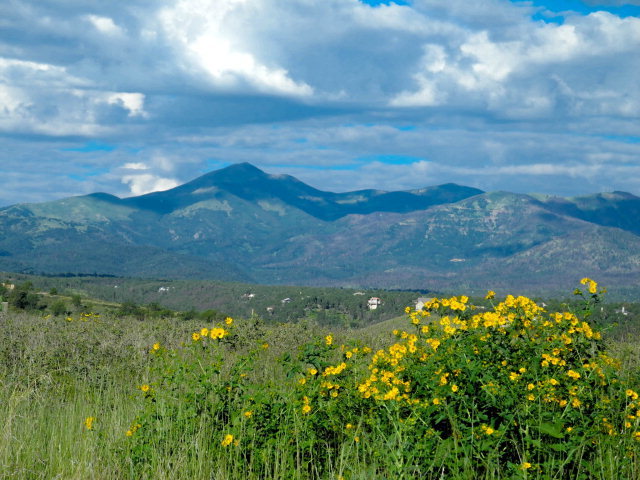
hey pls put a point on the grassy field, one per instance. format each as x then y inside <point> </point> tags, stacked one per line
<point>510,392</point>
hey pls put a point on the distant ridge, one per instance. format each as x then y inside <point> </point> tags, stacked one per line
<point>248,182</point>
<point>240,223</point>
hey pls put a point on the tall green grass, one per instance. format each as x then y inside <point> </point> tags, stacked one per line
<point>55,373</point>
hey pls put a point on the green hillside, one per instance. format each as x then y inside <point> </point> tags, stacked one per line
<point>241,224</point>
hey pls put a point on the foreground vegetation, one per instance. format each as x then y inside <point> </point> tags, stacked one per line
<point>451,391</point>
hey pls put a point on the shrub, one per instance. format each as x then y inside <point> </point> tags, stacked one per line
<point>463,392</point>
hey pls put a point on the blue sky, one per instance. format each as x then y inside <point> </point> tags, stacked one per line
<point>527,96</point>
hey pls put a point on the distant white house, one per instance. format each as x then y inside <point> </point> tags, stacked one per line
<point>358,293</point>
<point>163,289</point>
<point>249,295</point>
<point>9,286</point>
<point>285,300</point>
<point>623,311</point>
<point>374,302</point>
<point>421,301</point>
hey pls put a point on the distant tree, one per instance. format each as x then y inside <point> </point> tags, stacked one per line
<point>130,309</point>
<point>53,291</point>
<point>76,300</point>
<point>58,308</point>
<point>189,314</point>
<point>23,299</point>
<point>210,316</point>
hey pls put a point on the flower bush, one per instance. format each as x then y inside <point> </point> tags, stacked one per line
<point>510,391</point>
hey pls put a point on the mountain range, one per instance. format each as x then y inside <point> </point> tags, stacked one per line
<point>240,223</point>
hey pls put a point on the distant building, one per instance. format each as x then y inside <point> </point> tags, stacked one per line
<point>374,302</point>
<point>623,311</point>
<point>163,289</point>
<point>249,295</point>
<point>421,301</point>
<point>359,293</point>
<point>9,286</point>
<point>285,300</point>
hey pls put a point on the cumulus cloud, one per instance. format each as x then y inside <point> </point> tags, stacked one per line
<point>145,183</point>
<point>104,24</point>
<point>209,36</point>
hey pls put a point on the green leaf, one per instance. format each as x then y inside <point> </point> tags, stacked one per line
<point>552,429</point>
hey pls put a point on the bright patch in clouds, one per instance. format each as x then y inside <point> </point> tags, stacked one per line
<point>133,102</point>
<point>104,24</point>
<point>140,184</point>
<point>135,166</point>
<point>209,33</point>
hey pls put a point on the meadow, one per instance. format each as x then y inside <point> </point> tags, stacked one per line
<point>508,390</point>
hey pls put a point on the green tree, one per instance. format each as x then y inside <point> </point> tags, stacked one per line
<point>76,300</point>
<point>58,308</point>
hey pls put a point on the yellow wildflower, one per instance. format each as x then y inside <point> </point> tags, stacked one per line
<point>490,294</point>
<point>487,430</point>
<point>248,413</point>
<point>227,440</point>
<point>328,339</point>
<point>88,422</point>
<point>195,336</point>
<point>526,466</point>
<point>145,388</point>
<point>217,333</point>
<point>228,321</point>
<point>573,374</point>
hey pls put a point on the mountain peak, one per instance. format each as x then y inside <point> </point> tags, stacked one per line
<point>233,174</point>
<point>242,167</point>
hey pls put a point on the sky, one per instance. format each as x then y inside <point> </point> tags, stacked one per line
<point>131,97</point>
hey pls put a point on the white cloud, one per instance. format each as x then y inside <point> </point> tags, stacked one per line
<point>104,24</point>
<point>146,183</point>
<point>199,28</point>
<point>135,166</point>
<point>510,73</point>
<point>133,102</point>
<point>48,99</point>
